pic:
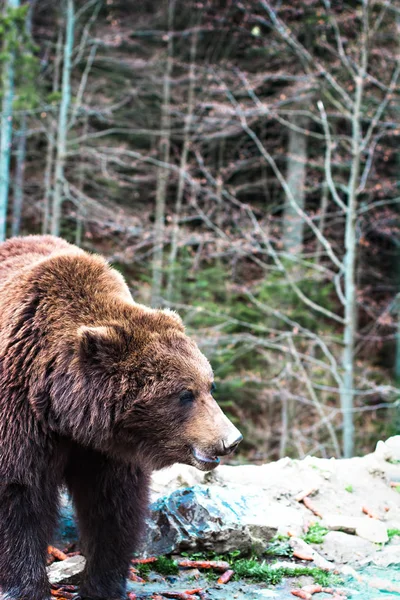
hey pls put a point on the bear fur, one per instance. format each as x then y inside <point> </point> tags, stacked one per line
<point>96,392</point>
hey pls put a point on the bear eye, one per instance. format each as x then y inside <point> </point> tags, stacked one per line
<point>186,397</point>
<point>213,387</point>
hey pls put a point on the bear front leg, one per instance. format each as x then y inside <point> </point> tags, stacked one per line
<point>27,519</point>
<point>111,500</point>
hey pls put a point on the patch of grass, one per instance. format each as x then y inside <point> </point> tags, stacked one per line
<point>392,533</point>
<point>143,570</point>
<point>326,579</point>
<point>315,534</point>
<point>166,566</point>
<point>163,565</point>
<point>279,546</point>
<point>349,488</point>
<point>263,572</point>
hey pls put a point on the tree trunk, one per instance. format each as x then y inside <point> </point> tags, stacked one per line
<point>183,165</point>
<point>6,128</point>
<point>21,154</point>
<point>324,208</point>
<point>48,173</point>
<point>293,225</point>
<point>163,173</point>
<point>19,179</point>
<point>350,317</point>
<point>63,120</point>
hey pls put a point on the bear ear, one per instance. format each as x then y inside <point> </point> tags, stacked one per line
<point>102,345</point>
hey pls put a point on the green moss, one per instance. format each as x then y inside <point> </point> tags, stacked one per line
<point>392,533</point>
<point>315,534</point>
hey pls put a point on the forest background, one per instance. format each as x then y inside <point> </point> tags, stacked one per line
<point>238,162</point>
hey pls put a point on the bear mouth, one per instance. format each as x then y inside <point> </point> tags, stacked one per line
<point>205,459</point>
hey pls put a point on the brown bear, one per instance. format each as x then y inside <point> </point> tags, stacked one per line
<point>96,392</point>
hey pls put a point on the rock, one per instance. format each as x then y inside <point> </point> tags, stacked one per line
<point>385,557</point>
<point>175,477</point>
<point>66,570</point>
<point>339,522</point>
<point>215,518</point>
<point>389,450</point>
<point>372,530</point>
<point>242,507</point>
<point>342,548</point>
<point>305,549</point>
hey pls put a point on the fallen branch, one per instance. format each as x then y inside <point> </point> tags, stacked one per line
<point>302,549</point>
<point>62,594</point>
<point>216,565</point>
<point>227,576</point>
<point>308,504</point>
<point>301,594</point>
<point>302,555</point>
<point>307,592</point>
<point>143,561</point>
<point>58,554</point>
<point>64,586</point>
<point>177,595</point>
<point>300,497</point>
<point>134,577</point>
<point>369,513</point>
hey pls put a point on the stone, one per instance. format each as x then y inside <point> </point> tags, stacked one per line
<point>389,450</point>
<point>177,476</point>
<point>339,522</point>
<point>305,549</point>
<point>372,530</point>
<point>242,507</point>
<point>215,518</point>
<point>342,548</point>
<point>66,571</point>
<point>385,557</point>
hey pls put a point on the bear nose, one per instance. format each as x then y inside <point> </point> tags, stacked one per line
<point>229,447</point>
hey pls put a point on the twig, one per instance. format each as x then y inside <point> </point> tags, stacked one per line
<point>58,554</point>
<point>216,565</point>
<point>308,504</point>
<point>369,513</point>
<point>309,492</point>
<point>227,576</point>
<point>143,561</point>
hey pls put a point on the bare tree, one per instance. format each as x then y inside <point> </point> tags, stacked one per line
<point>6,117</point>
<point>293,225</point>
<point>63,119</point>
<point>21,153</point>
<point>162,177</point>
<point>183,167</point>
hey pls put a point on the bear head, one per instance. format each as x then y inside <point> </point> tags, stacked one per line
<point>153,387</point>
